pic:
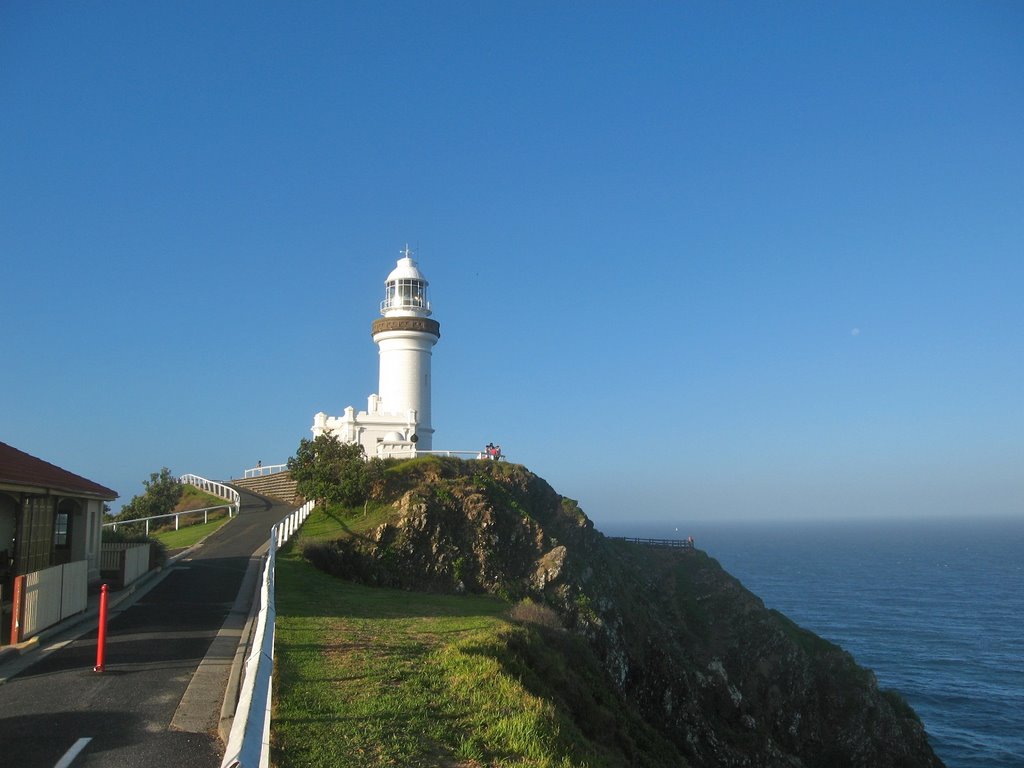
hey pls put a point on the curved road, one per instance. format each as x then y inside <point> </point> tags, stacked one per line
<point>153,650</point>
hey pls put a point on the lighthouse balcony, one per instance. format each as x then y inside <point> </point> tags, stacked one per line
<point>400,302</point>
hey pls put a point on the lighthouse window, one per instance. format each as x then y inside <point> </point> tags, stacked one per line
<point>410,293</point>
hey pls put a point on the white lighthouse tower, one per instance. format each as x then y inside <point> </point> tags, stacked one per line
<point>405,336</point>
<point>396,421</point>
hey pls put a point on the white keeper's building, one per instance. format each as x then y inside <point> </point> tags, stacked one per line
<point>396,422</point>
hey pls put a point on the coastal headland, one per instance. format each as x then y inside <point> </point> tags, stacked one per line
<point>644,655</point>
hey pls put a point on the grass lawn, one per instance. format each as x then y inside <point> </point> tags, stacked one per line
<point>188,535</point>
<point>369,676</point>
<point>338,522</point>
<point>381,677</point>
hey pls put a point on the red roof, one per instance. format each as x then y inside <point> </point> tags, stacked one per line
<point>20,468</point>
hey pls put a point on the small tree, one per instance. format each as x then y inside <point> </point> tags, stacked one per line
<point>163,491</point>
<point>376,477</point>
<point>329,471</point>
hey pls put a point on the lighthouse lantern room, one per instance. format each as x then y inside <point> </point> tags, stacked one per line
<point>396,421</point>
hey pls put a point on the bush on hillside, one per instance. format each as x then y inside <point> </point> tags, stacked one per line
<point>331,472</point>
<point>162,493</point>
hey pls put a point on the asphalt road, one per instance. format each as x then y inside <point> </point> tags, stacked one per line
<point>154,647</point>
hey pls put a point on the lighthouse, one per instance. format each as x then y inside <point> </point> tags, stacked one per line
<point>405,335</point>
<point>397,419</point>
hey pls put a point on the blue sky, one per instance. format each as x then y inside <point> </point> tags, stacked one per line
<point>690,260</point>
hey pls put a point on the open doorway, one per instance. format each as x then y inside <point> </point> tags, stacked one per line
<point>8,533</point>
<point>63,525</point>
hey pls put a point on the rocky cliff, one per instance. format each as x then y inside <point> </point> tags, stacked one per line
<point>697,656</point>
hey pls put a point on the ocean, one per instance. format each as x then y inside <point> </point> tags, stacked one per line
<point>934,607</point>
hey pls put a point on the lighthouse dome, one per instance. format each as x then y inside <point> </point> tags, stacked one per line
<point>406,270</point>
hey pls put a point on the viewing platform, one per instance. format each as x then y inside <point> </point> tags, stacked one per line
<point>686,543</point>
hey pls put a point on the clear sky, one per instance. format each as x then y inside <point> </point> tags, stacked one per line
<point>690,260</point>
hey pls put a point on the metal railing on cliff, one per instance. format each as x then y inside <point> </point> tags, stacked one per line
<point>686,543</point>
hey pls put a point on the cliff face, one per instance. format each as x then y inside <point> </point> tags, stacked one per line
<point>699,657</point>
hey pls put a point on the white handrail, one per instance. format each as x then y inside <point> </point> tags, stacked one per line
<point>225,492</point>
<point>205,510</point>
<point>261,470</point>
<point>249,741</point>
<point>212,486</point>
<point>473,454</point>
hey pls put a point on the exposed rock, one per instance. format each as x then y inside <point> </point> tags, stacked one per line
<point>549,567</point>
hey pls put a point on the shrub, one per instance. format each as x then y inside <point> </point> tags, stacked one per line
<point>529,612</point>
<point>162,493</point>
<point>329,471</point>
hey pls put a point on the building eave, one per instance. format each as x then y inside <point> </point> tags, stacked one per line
<point>24,473</point>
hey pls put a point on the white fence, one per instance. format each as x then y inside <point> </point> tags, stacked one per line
<point>270,469</point>
<point>231,508</point>
<point>468,454</point>
<point>212,486</point>
<point>249,742</point>
<point>225,492</point>
<point>52,595</point>
<point>132,560</point>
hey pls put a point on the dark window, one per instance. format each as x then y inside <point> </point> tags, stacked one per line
<point>61,528</point>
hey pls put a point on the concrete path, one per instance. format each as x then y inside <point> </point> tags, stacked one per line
<point>151,707</point>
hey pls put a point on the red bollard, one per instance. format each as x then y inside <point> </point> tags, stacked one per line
<point>101,640</point>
